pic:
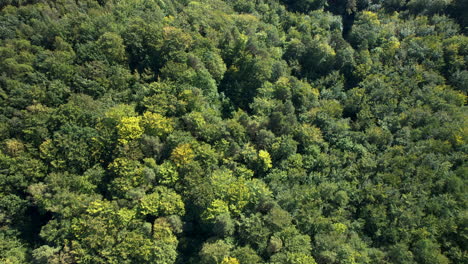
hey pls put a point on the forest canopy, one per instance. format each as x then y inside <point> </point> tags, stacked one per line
<point>233,132</point>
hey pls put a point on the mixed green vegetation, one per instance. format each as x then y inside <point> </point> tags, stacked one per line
<point>233,132</point>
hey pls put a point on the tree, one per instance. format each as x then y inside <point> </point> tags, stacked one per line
<point>129,129</point>
<point>246,255</point>
<point>305,5</point>
<point>426,251</point>
<point>305,131</point>
<point>264,160</point>
<point>111,45</point>
<point>162,202</point>
<point>12,250</point>
<point>155,124</point>
<point>292,258</point>
<point>365,31</point>
<point>114,235</point>
<point>182,155</point>
<point>215,252</point>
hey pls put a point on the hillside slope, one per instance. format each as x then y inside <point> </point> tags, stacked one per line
<point>233,132</point>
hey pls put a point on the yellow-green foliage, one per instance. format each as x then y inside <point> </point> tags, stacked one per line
<point>216,208</point>
<point>229,260</point>
<point>238,195</point>
<point>155,124</point>
<point>162,202</point>
<point>14,147</point>
<point>129,174</point>
<point>331,107</point>
<point>182,155</point>
<point>104,209</point>
<point>300,258</point>
<point>339,228</point>
<point>232,191</point>
<point>129,129</point>
<point>166,173</point>
<point>120,111</point>
<point>257,131</point>
<point>265,159</point>
<point>310,134</point>
<point>125,167</point>
<point>370,17</point>
<point>162,232</point>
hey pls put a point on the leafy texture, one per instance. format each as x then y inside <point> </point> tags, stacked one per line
<point>233,132</point>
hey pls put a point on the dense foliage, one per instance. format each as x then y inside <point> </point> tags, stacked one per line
<point>233,132</point>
